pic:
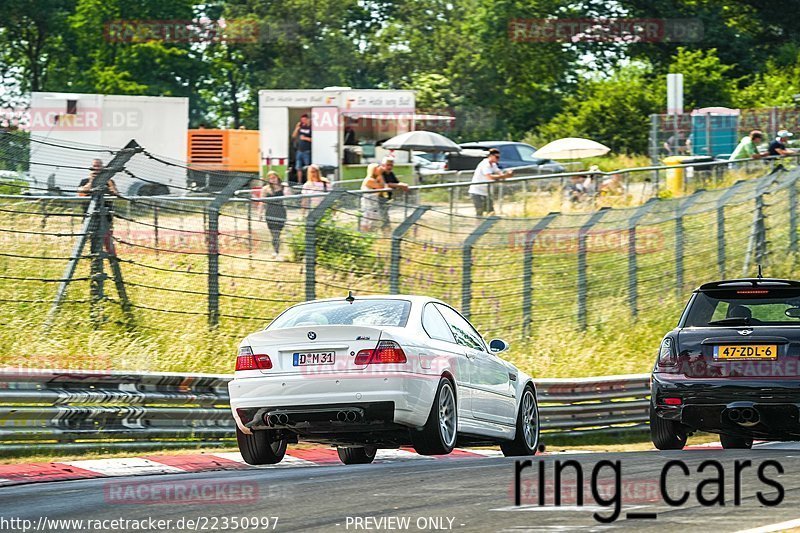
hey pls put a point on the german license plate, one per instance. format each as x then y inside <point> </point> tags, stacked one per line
<point>313,358</point>
<point>750,351</point>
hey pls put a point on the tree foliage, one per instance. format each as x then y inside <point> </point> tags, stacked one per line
<point>458,54</point>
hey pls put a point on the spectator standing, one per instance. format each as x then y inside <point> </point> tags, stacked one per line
<point>371,201</point>
<point>778,146</point>
<point>275,211</point>
<point>316,184</point>
<point>486,171</point>
<point>575,191</point>
<point>86,184</point>
<point>748,147</point>
<point>390,181</point>
<point>302,136</point>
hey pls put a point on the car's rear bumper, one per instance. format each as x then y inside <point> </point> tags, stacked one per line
<point>398,399</point>
<point>716,405</point>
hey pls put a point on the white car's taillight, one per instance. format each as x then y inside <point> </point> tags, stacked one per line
<point>667,355</point>
<point>387,352</point>
<point>247,360</point>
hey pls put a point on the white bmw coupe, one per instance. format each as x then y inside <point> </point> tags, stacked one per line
<point>363,373</point>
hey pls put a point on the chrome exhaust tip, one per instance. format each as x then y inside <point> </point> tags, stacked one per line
<point>734,415</point>
<point>283,419</point>
<point>341,416</point>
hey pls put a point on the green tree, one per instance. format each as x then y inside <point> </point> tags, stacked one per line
<point>614,111</point>
<point>706,80</point>
<point>33,40</point>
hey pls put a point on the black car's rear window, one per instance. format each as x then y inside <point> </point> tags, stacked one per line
<point>744,306</point>
<point>343,313</point>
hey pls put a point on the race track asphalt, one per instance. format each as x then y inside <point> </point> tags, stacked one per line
<point>467,494</point>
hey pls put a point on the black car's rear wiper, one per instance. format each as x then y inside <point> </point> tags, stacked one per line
<point>731,321</point>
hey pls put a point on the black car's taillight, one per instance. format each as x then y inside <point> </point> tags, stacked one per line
<point>667,355</point>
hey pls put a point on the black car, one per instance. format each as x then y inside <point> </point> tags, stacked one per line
<point>512,155</point>
<point>732,366</point>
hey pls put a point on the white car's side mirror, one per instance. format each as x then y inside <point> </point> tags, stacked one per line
<point>498,345</point>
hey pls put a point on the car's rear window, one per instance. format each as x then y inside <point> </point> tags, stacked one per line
<point>745,306</point>
<point>343,313</point>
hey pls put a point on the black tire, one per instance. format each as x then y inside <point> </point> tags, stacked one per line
<point>438,435</point>
<point>357,456</point>
<point>666,434</point>
<point>734,442</point>
<point>260,448</point>
<point>526,439</point>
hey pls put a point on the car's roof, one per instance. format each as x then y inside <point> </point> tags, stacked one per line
<point>490,143</point>
<point>413,298</point>
<point>774,283</point>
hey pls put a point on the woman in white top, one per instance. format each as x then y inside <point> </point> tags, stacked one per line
<point>314,185</point>
<point>370,202</point>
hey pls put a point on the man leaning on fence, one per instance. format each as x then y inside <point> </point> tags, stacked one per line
<point>778,146</point>
<point>479,190</point>
<point>748,147</point>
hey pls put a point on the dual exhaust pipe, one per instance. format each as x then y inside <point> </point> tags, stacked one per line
<point>280,419</point>
<point>344,415</point>
<point>744,416</point>
<point>349,416</point>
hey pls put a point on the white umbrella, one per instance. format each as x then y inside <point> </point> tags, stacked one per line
<point>571,148</point>
<point>424,141</point>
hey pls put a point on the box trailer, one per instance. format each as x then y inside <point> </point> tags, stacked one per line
<point>347,128</point>
<point>69,130</point>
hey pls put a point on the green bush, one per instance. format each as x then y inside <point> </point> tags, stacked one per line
<point>340,247</point>
<point>13,186</point>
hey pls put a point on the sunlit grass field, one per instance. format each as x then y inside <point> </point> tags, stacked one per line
<point>167,284</point>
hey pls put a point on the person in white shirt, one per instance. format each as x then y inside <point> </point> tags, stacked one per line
<point>479,190</point>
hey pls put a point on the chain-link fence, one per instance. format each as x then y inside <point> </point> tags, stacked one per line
<point>715,132</point>
<point>156,265</point>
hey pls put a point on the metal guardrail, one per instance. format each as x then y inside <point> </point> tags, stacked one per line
<point>67,410</point>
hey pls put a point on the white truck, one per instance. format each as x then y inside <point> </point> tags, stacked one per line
<point>69,130</point>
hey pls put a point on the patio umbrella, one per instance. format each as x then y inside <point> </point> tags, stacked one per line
<point>424,141</point>
<point>571,148</point>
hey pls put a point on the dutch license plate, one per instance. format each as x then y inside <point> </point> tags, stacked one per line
<point>313,358</point>
<point>750,351</point>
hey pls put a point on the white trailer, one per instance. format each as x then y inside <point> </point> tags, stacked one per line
<point>87,121</point>
<point>360,117</point>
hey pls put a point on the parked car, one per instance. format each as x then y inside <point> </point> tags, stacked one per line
<point>378,372</point>
<point>512,155</point>
<point>730,366</point>
<point>429,163</point>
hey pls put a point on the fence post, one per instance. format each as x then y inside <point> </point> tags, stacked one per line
<point>310,252</point>
<point>633,288</point>
<point>582,285</point>
<point>527,271</point>
<point>721,225</point>
<point>757,243</point>
<point>250,227</point>
<point>212,218</point>
<point>683,206</point>
<point>654,139</point>
<point>466,279</point>
<point>155,228</point>
<point>793,214</point>
<point>397,240</point>
<point>90,230</point>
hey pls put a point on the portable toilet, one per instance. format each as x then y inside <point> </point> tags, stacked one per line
<point>714,130</point>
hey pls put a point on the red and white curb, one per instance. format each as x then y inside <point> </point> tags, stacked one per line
<point>16,474</point>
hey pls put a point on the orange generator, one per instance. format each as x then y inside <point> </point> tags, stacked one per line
<point>213,154</point>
